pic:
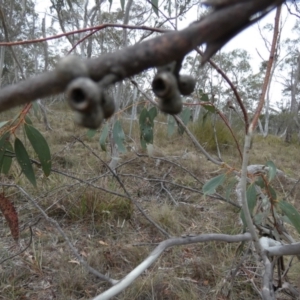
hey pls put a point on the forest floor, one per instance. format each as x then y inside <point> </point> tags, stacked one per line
<point>113,236</point>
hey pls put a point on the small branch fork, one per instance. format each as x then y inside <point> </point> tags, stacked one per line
<point>159,51</point>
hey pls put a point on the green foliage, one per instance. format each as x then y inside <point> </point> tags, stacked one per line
<point>210,186</point>
<point>24,161</point>
<point>291,212</point>
<point>6,159</point>
<point>122,4</point>
<point>40,147</point>
<point>171,126</point>
<point>103,137</point>
<point>251,194</point>
<point>271,171</point>
<point>119,136</point>
<point>185,116</point>
<point>146,123</point>
<point>155,6</point>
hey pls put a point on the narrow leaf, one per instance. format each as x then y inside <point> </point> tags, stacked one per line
<point>122,4</point>
<point>290,211</point>
<point>103,137</point>
<point>272,192</point>
<point>155,6</point>
<point>24,161</point>
<point>260,182</point>
<point>7,158</point>
<point>3,123</point>
<point>35,106</point>
<point>119,136</point>
<point>251,194</point>
<point>171,125</point>
<point>11,216</point>
<point>209,187</point>
<point>203,96</point>
<point>3,141</point>
<point>152,113</point>
<point>271,170</point>
<point>40,147</point>
<point>185,115</point>
<point>110,3</point>
<point>28,120</point>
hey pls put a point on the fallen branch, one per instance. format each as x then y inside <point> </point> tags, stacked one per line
<point>154,255</point>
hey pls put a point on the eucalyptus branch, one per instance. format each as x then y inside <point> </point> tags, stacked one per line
<point>155,254</point>
<point>173,46</point>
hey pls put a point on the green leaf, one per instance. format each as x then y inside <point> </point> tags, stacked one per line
<point>186,115</point>
<point>103,137</point>
<point>251,194</point>
<point>3,142</point>
<point>272,193</point>
<point>209,107</point>
<point>91,133</point>
<point>35,106</point>
<point>171,125</point>
<point>271,170</point>
<point>7,158</point>
<point>152,113</point>
<point>260,182</point>
<point>110,4</point>
<point>40,147</point>
<point>203,96</point>
<point>146,124</point>
<point>155,6</point>
<point>28,120</point>
<point>290,211</point>
<point>24,161</point>
<point>119,136</point>
<point>3,123</point>
<point>122,4</point>
<point>231,184</point>
<point>209,187</point>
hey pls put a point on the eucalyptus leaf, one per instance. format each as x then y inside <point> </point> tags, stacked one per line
<point>155,6</point>
<point>103,137</point>
<point>171,125</point>
<point>209,187</point>
<point>272,170</point>
<point>40,146</point>
<point>7,158</point>
<point>291,212</point>
<point>24,161</point>
<point>119,136</point>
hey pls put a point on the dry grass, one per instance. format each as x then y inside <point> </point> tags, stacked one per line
<point>112,235</point>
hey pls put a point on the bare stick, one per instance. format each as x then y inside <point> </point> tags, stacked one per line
<point>60,230</point>
<point>154,255</point>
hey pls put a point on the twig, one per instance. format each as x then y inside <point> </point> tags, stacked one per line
<point>60,230</point>
<point>154,255</point>
<point>125,190</point>
<point>23,250</point>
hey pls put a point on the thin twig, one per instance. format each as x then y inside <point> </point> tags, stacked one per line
<point>60,230</point>
<point>125,190</point>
